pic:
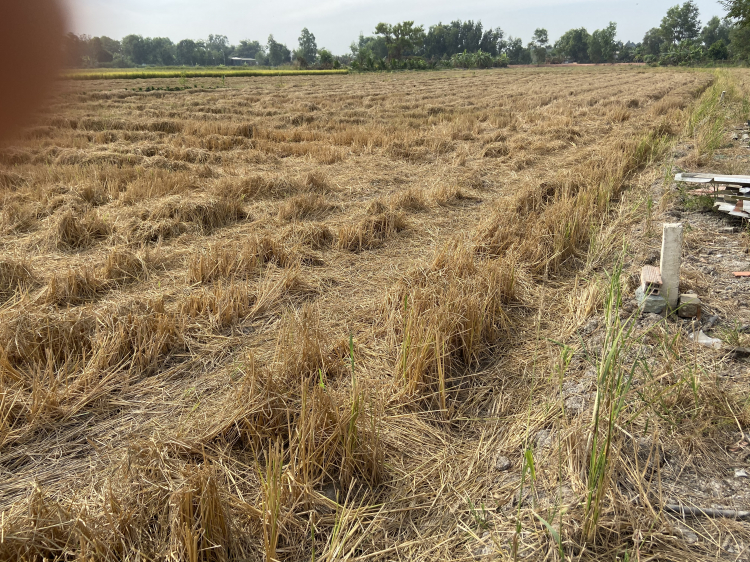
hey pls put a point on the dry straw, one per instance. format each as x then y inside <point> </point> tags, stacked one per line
<point>290,322</point>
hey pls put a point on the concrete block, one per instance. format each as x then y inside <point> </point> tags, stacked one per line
<point>653,304</point>
<point>671,261</point>
<point>689,306</point>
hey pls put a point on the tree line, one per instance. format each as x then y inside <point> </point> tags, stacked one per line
<point>83,51</point>
<point>679,39</point>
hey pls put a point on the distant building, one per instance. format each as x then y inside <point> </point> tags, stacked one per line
<point>239,61</point>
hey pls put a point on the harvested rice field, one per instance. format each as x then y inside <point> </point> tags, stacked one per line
<point>335,318</point>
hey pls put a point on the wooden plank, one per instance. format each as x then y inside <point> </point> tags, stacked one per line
<point>694,178</point>
<point>741,273</point>
<point>712,178</point>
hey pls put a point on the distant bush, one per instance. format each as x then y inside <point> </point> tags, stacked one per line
<point>480,59</point>
<point>718,51</point>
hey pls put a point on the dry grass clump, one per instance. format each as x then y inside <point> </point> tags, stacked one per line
<point>403,150</point>
<point>72,232</point>
<point>148,231</point>
<point>256,187</point>
<point>207,215</point>
<point>30,337</point>
<point>157,183</point>
<point>123,266</point>
<point>136,338</point>
<point>496,150</point>
<point>94,195</point>
<point>445,319</point>
<point>446,194</point>
<point>376,207</point>
<point>15,277</point>
<point>565,209</point>
<point>220,306</point>
<point>74,287</point>
<point>308,206</point>
<point>221,261</point>
<point>667,104</point>
<point>316,181</point>
<point>317,236</point>
<point>17,216</point>
<point>410,200</point>
<point>227,302</point>
<point>370,232</point>
<point>336,435</point>
<point>618,115</point>
<point>10,180</point>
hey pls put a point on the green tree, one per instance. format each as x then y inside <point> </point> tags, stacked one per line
<point>738,10</point>
<point>278,53</point>
<point>574,45</point>
<point>160,51</point>
<point>626,52</point>
<point>134,48</point>
<point>718,51</point>
<point>111,45</point>
<point>326,58</point>
<point>97,52</point>
<point>681,23</point>
<point>308,48</point>
<point>219,48</point>
<point>250,50</point>
<point>74,47</point>
<point>715,30</point>
<point>538,46</point>
<point>401,38</point>
<point>540,37</point>
<point>653,41</point>
<point>185,52</point>
<point>739,46</point>
<point>517,53</point>
<point>602,45</point>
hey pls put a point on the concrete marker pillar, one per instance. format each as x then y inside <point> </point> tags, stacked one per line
<point>671,260</point>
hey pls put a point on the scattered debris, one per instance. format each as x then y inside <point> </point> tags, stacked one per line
<point>708,341</point>
<point>485,548</point>
<point>545,438</point>
<point>741,444</point>
<point>694,511</point>
<point>690,306</point>
<point>650,454</point>
<point>739,352</point>
<point>711,322</point>
<point>730,192</point>
<point>740,473</point>
<point>685,532</point>
<point>502,463</point>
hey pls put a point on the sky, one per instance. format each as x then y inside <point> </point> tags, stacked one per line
<point>336,23</point>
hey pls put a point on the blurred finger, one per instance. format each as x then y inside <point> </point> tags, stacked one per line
<point>31,33</point>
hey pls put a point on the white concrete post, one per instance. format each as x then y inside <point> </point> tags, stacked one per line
<point>671,260</point>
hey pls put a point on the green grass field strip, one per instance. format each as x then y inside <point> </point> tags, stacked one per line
<point>134,75</point>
